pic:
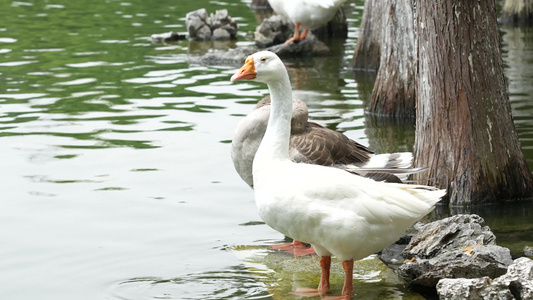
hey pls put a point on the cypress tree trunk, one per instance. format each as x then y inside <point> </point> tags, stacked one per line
<point>367,51</point>
<point>387,43</point>
<point>465,132</point>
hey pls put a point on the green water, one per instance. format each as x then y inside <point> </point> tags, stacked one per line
<point>116,178</point>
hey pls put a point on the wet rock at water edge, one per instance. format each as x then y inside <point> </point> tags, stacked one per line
<point>168,37</point>
<point>277,29</point>
<point>517,283</point>
<point>217,27</point>
<point>392,255</point>
<point>236,57</point>
<point>232,57</point>
<point>303,48</point>
<point>447,234</point>
<point>528,251</point>
<point>273,31</point>
<point>458,246</point>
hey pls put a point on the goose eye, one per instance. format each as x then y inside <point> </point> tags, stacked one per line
<point>263,59</point>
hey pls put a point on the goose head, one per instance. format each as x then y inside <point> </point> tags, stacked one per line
<point>263,66</point>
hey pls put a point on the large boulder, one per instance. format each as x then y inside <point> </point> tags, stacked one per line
<point>458,246</point>
<point>517,283</point>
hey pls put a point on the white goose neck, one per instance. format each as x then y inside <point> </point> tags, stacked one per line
<point>275,143</point>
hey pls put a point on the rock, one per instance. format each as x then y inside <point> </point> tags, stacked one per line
<point>277,29</point>
<point>220,34</point>
<point>233,57</point>
<point>449,234</point>
<point>491,261</point>
<point>458,246</point>
<point>528,251</point>
<point>462,288</point>
<point>260,4</point>
<point>198,25</point>
<point>221,21</point>
<point>168,37</point>
<point>272,31</point>
<point>392,255</point>
<point>517,283</point>
<point>307,47</point>
<point>219,26</point>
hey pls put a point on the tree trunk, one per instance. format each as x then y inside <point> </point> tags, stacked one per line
<point>465,131</point>
<point>367,51</point>
<point>517,11</point>
<point>386,43</point>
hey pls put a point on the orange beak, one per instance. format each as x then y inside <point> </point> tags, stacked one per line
<point>247,71</point>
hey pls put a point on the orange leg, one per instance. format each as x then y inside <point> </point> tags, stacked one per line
<point>323,287</point>
<point>325,264</point>
<point>347,289</point>
<point>304,34</point>
<point>296,36</point>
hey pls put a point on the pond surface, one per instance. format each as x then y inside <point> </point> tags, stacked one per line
<point>116,177</point>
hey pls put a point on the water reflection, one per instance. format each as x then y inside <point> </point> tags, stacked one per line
<point>517,50</point>
<point>283,273</point>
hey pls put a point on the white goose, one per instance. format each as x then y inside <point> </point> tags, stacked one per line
<point>315,144</point>
<point>338,213</point>
<point>309,14</point>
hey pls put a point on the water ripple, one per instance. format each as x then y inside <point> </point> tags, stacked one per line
<point>232,283</point>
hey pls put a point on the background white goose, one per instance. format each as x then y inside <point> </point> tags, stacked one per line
<point>315,144</point>
<point>338,213</point>
<point>309,14</point>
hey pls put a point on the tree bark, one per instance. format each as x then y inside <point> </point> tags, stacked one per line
<point>386,44</point>
<point>465,131</point>
<point>367,51</point>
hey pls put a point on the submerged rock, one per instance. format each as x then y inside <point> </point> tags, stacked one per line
<point>217,27</point>
<point>528,251</point>
<point>307,47</point>
<point>232,57</point>
<point>235,57</point>
<point>517,283</point>
<point>168,37</point>
<point>458,246</point>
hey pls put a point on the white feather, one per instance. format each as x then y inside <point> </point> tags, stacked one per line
<point>311,14</point>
